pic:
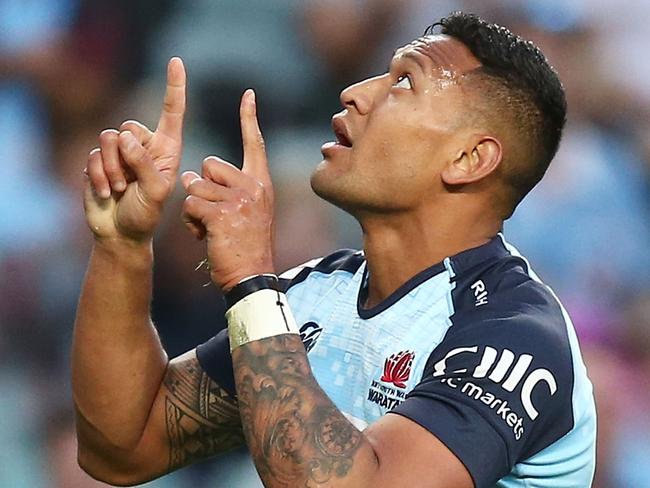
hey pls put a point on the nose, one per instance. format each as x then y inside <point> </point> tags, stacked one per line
<point>360,96</point>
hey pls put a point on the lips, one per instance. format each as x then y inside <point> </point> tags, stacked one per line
<point>341,131</point>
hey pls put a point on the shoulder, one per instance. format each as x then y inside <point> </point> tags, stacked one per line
<point>345,261</point>
<point>506,297</point>
<point>509,339</point>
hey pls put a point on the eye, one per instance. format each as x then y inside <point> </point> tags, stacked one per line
<point>404,82</point>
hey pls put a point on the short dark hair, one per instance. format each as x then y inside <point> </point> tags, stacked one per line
<point>517,77</point>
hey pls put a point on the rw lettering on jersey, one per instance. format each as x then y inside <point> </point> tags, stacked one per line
<point>480,293</point>
<point>508,372</point>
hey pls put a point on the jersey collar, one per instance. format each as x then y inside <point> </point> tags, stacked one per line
<point>456,265</point>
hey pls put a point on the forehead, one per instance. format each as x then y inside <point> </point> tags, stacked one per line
<point>443,52</point>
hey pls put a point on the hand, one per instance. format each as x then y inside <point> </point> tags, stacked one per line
<point>134,170</point>
<point>233,209</point>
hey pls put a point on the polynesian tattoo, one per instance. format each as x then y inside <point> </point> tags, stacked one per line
<point>202,418</point>
<point>296,435</point>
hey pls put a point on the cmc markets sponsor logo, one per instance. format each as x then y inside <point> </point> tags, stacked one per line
<point>309,334</point>
<point>519,375</point>
<point>397,369</point>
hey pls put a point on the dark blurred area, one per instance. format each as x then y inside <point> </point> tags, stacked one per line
<point>70,68</point>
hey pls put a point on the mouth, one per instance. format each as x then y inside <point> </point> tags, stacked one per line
<point>341,131</point>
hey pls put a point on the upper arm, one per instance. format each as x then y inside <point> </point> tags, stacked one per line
<point>201,418</point>
<point>192,418</point>
<point>495,392</point>
<point>409,455</point>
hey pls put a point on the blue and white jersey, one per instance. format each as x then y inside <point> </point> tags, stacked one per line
<point>475,349</point>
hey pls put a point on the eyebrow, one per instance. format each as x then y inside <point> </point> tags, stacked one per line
<point>417,58</point>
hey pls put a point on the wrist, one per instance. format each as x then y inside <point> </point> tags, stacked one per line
<point>258,309</point>
<point>228,283</point>
<point>135,253</point>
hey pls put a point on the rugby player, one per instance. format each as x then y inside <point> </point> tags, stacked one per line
<point>433,358</point>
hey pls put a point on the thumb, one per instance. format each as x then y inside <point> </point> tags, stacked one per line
<point>137,158</point>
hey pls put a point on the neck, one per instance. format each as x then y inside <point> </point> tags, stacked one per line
<point>397,247</point>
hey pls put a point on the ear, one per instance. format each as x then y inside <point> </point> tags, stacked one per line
<point>476,162</point>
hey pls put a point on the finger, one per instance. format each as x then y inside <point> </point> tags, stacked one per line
<point>188,177</point>
<point>89,192</point>
<point>138,159</point>
<point>196,228</point>
<point>140,131</point>
<point>195,211</point>
<point>111,158</point>
<point>255,162</point>
<point>98,178</point>
<point>171,118</point>
<point>90,196</point>
<point>224,173</point>
<point>209,190</point>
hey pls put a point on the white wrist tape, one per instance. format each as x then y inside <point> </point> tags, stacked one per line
<point>264,313</point>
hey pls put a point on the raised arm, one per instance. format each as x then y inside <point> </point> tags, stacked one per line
<point>135,411</point>
<point>294,432</point>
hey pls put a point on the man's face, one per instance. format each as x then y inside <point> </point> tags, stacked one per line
<point>398,130</point>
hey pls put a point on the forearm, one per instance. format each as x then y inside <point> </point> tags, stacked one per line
<point>296,435</point>
<point>117,360</point>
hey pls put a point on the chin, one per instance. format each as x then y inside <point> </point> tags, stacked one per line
<point>329,185</point>
<point>339,191</point>
<point>322,182</point>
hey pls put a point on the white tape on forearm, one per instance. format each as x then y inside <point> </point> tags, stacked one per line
<point>258,316</point>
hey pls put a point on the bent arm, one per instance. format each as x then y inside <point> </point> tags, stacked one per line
<point>135,411</point>
<point>298,437</point>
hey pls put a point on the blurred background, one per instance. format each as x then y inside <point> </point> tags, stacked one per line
<point>70,68</point>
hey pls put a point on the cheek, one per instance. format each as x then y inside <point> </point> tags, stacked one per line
<point>398,147</point>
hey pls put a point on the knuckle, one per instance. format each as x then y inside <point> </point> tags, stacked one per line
<point>193,186</point>
<point>259,191</point>
<point>209,163</point>
<point>190,204</point>
<point>197,186</point>
<point>136,154</point>
<point>169,105</point>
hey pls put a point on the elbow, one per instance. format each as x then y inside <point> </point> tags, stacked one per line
<point>110,470</point>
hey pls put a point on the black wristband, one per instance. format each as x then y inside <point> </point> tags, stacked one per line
<point>251,285</point>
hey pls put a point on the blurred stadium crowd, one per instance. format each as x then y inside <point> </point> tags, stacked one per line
<point>70,68</point>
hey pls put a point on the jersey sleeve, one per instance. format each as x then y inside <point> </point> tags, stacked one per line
<point>215,359</point>
<point>496,390</point>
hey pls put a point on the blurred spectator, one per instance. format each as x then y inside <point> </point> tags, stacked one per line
<point>69,68</point>
<point>593,203</point>
<point>235,45</point>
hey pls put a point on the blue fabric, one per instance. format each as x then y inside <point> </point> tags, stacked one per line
<point>540,432</point>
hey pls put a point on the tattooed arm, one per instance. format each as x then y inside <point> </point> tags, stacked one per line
<point>138,416</point>
<point>201,418</point>
<point>192,418</point>
<point>298,438</point>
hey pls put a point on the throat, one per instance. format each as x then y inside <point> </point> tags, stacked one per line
<point>394,262</point>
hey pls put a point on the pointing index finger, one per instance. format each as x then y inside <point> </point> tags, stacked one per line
<point>171,118</point>
<point>255,162</point>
